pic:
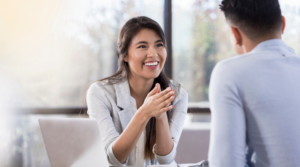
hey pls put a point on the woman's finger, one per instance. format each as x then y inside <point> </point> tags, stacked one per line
<point>167,101</point>
<point>158,88</point>
<point>167,96</point>
<point>161,94</point>
<point>153,91</point>
<point>165,109</point>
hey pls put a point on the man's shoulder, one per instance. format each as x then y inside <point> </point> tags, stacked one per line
<point>239,67</point>
<point>244,62</point>
<point>238,60</point>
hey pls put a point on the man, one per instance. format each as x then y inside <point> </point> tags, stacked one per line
<point>255,97</point>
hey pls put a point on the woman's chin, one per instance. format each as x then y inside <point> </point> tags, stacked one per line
<point>152,76</point>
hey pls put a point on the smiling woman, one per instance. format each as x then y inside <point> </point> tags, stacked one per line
<point>139,123</point>
<point>146,42</point>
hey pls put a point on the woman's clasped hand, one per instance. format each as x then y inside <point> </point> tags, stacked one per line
<point>157,102</point>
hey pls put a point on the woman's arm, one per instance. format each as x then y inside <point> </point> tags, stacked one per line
<point>168,133</point>
<point>164,142</point>
<point>154,105</point>
<point>128,139</point>
<point>100,110</point>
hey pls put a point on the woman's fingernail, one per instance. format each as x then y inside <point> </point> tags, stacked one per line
<point>172,97</point>
<point>168,88</point>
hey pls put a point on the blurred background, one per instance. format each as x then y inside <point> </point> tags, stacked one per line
<point>51,51</point>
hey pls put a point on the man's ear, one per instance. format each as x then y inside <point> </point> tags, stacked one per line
<point>237,36</point>
<point>283,24</point>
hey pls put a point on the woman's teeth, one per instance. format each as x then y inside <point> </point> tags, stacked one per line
<point>151,64</point>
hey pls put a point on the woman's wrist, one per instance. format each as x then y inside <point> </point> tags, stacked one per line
<point>161,117</point>
<point>142,116</point>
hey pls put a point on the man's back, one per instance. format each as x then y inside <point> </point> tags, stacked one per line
<point>255,102</point>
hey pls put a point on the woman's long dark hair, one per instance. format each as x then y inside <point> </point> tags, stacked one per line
<point>131,28</point>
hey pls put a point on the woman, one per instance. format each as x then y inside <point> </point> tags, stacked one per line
<point>139,123</point>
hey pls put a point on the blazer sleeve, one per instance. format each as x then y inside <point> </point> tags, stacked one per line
<point>99,109</point>
<point>176,125</point>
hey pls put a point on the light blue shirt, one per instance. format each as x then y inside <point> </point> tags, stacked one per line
<point>255,103</point>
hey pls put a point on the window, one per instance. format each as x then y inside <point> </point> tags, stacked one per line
<point>56,49</point>
<point>201,39</point>
<point>291,10</point>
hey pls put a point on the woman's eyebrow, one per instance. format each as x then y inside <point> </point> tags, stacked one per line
<point>158,41</point>
<point>144,42</point>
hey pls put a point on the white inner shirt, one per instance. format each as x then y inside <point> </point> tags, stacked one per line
<point>140,146</point>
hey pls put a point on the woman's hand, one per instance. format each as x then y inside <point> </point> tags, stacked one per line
<point>156,102</point>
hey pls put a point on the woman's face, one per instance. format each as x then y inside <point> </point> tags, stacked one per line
<point>146,55</point>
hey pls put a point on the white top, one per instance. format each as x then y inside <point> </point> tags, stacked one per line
<point>255,102</point>
<point>140,146</point>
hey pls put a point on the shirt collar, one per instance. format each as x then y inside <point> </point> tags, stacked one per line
<point>269,44</point>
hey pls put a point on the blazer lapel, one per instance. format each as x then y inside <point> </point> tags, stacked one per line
<point>125,117</point>
<point>124,103</point>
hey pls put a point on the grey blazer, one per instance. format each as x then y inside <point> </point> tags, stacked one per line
<point>110,105</point>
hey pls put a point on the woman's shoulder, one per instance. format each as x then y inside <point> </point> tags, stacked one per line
<point>179,90</point>
<point>100,88</point>
<point>177,87</point>
<point>98,85</point>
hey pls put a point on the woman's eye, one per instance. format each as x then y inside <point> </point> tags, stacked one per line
<point>142,46</point>
<point>159,45</point>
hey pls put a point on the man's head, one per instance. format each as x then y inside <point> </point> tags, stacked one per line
<point>256,20</point>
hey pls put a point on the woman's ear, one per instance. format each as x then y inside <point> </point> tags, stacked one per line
<point>126,58</point>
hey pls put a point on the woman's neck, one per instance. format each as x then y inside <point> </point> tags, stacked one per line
<point>139,87</point>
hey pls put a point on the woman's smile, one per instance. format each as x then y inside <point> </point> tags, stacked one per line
<point>146,54</point>
<point>151,64</point>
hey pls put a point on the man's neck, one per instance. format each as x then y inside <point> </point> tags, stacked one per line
<point>139,87</point>
<point>249,45</point>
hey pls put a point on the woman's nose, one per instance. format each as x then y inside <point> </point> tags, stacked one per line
<point>152,52</point>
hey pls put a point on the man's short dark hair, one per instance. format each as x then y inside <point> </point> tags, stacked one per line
<point>255,18</point>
